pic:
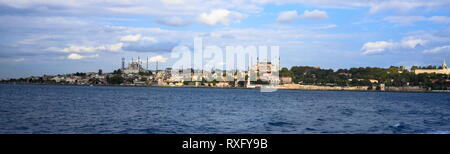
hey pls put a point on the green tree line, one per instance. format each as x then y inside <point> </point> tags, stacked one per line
<point>361,76</point>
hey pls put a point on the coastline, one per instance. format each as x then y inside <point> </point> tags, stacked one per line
<point>208,87</point>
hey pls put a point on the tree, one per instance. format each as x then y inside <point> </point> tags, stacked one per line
<point>118,71</point>
<point>145,73</point>
<point>115,79</point>
<point>285,72</point>
<point>80,74</point>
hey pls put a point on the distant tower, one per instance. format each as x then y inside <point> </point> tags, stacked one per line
<point>250,65</point>
<point>123,63</point>
<point>139,60</point>
<point>279,63</point>
<point>257,67</point>
<point>249,73</point>
<point>147,64</point>
<point>444,65</point>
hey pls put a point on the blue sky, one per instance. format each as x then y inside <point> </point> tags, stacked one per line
<point>57,37</point>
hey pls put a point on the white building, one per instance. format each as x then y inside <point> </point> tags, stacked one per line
<point>266,71</point>
<point>444,70</point>
<point>133,68</point>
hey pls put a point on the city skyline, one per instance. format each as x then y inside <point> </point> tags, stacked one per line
<point>52,37</point>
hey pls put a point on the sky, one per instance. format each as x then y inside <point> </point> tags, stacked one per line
<point>40,37</point>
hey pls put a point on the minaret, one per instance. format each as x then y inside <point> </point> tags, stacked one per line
<point>257,68</point>
<point>248,79</point>
<point>147,64</point>
<point>279,63</point>
<point>444,65</point>
<point>139,60</point>
<point>250,65</point>
<point>249,72</point>
<point>123,63</point>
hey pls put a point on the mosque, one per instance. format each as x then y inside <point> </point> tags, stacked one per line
<point>133,68</point>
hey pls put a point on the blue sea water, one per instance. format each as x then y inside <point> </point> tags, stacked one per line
<point>130,110</point>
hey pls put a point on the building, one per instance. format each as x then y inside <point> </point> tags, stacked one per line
<point>222,84</point>
<point>168,73</point>
<point>264,67</point>
<point>58,79</point>
<point>443,70</point>
<point>373,81</point>
<point>133,68</point>
<point>266,71</point>
<point>286,79</point>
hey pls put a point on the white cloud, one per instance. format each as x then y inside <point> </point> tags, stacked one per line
<point>327,26</point>
<point>438,36</point>
<point>194,7</point>
<point>136,38</point>
<point>16,60</point>
<point>85,49</point>
<point>408,20</point>
<point>438,49</point>
<point>79,49</point>
<point>222,16</point>
<point>412,43</point>
<point>157,58</point>
<point>381,46</point>
<point>314,15</point>
<point>43,22</point>
<point>404,20</point>
<point>143,7</point>
<point>440,19</point>
<point>173,1</point>
<point>131,38</point>
<point>403,5</point>
<point>287,16</point>
<point>173,21</point>
<point>74,56</point>
<point>375,6</point>
<point>376,47</point>
<point>35,39</point>
<point>111,47</point>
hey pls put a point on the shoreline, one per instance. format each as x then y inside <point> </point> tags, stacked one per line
<point>206,87</point>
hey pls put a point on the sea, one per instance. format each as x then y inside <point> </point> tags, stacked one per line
<point>61,109</point>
